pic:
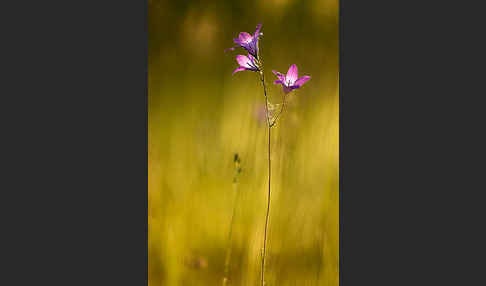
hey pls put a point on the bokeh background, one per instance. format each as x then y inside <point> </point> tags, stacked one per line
<point>200,116</point>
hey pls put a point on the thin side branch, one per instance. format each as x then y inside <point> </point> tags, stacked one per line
<point>281,110</point>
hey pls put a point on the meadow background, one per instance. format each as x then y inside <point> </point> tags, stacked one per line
<point>200,116</point>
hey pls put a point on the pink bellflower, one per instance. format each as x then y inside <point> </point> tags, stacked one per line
<point>291,80</point>
<point>248,63</point>
<point>248,42</point>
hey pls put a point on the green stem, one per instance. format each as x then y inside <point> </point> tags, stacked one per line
<point>262,78</point>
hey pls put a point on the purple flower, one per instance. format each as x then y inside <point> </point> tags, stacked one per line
<point>246,63</point>
<point>290,81</point>
<point>248,42</point>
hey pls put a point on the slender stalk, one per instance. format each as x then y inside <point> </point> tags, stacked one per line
<point>262,78</point>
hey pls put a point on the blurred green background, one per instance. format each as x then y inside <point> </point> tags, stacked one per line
<point>200,116</point>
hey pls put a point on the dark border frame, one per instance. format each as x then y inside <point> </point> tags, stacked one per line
<point>340,72</point>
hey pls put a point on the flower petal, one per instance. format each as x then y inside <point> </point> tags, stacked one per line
<point>244,37</point>
<point>252,62</point>
<point>278,82</point>
<point>257,31</point>
<point>292,75</point>
<point>239,69</point>
<point>252,47</point>
<point>302,80</point>
<point>243,61</point>
<point>279,75</point>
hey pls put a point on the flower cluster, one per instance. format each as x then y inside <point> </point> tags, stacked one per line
<point>252,62</point>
